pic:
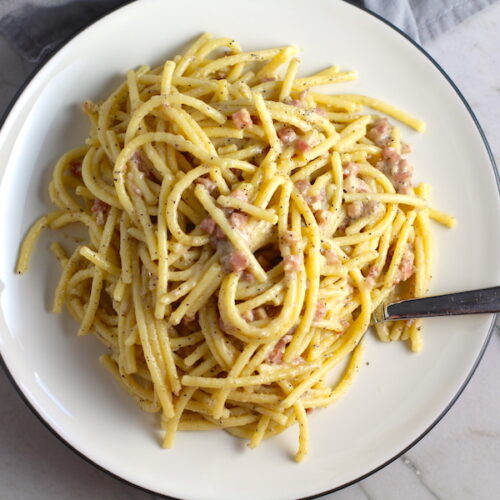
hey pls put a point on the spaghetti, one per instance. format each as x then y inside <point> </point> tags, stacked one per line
<point>241,231</point>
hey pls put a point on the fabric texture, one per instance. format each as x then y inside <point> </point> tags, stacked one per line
<point>37,27</point>
<point>399,13</point>
<point>424,20</point>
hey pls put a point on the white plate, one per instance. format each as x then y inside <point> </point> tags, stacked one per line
<point>395,399</point>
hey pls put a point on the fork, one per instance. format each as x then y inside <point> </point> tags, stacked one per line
<point>484,300</point>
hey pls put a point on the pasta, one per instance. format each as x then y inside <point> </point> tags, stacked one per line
<point>241,231</point>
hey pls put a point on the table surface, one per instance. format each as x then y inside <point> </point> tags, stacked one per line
<point>457,460</point>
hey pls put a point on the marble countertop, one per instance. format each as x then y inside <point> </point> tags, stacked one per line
<point>457,460</point>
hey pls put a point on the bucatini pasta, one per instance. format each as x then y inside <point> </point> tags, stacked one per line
<point>241,230</point>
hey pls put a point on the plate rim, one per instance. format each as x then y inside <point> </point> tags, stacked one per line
<point>42,63</point>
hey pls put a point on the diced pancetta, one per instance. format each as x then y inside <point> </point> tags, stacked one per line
<point>239,194</point>
<point>242,119</point>
<point>390,156</point>
<point>208,225</point>
<point>350,168</point>
<point>323,217</point>
<point>142,165</point>
<point>354,184</point>
<point>292,263</point>
<point>75,167</point>
<point>139,162</point>
<point>307,141</point>
<point>100,210</point>
<point>238,261</point>
<point>320,310</point>
<point>397,169</point>
<point>406,267</point>
<point>302,145</point>
<point>218,239</point>
<point>276,355</point>
<point>289,238</point>
<point>371,207</point>
<point>238,220</point>
<point>317,200</point>
<point>302,185</point>
<point>331,257</point>
<point>287,135</point>
<point>357,208</point>
<point>402,176</point>
<point>231,259</point>
<point>380,132</point>
<point>219,233</point>
<point>208,183</point>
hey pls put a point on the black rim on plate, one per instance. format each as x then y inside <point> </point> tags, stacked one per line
<point>360,5</point>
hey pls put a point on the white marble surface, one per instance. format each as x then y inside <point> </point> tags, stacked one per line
<point>459,459</point>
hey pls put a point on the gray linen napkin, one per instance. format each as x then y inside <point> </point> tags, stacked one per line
<point>37,27</point>
<point>426,19</point>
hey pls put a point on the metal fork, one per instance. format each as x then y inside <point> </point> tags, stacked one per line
<point>485,300</point>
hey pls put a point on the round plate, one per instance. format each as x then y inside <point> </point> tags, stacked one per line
<point>396,397</point>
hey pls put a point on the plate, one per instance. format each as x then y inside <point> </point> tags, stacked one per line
<point>397,396</point>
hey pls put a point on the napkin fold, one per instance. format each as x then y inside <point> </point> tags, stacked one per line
<point>424,20</point>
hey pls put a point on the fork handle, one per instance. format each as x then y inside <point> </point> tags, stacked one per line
<point>485,300</point>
